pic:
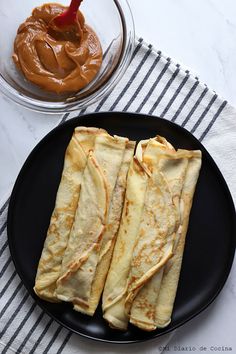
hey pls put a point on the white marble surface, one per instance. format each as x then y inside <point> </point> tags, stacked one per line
<point>201,34</point>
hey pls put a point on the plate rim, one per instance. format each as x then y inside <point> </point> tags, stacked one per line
<point>97,115</point>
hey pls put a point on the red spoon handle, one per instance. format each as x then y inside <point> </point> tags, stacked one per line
<point>68,17</point>
<point>73,8</point>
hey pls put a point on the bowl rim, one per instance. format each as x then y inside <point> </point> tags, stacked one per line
<point>66,107</point>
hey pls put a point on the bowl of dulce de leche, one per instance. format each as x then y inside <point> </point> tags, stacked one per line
<point>54,69</point>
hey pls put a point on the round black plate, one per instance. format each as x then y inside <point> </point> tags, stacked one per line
<point>210,241</point>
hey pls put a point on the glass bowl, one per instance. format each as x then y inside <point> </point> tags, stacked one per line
<point>112,21</point>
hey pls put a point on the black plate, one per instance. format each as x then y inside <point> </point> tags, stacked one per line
<point>210,241</point>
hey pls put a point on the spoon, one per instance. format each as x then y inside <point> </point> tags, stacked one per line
<point>68,17</point>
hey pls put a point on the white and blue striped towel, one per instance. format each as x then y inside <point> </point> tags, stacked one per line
<point>153,84</point>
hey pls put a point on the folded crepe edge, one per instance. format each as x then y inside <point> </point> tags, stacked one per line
<point>75,265</point>
<point>192,154</point>
<point>46,289</point>
<point>144,325</point>
<point>112,300</point>
<point>115,323</point>
<point>140,283</point>
<point>138,166</point>
<point>105,255</point>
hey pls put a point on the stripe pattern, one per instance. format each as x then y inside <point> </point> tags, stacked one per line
<point>153,84</point>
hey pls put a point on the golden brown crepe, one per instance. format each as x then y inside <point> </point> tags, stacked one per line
<point>109,237</point>
<point>133,294</point>
<point>92,217</point>
<point>169,284</point>
<point>116,284</point>
<point>172,166</point>
<point>63,215</point>
<point>146,312</point>
<point>119,220</point>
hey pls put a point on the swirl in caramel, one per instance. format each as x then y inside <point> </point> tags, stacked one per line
<point>55,59</point>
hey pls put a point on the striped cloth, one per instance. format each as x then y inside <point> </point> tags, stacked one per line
<point>153,84</point>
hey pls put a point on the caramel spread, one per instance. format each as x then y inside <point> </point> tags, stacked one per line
<point>57,60</point>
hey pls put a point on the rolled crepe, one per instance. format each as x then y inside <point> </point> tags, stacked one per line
<point>109,237</point>
<point>82,254</point>
<point>172,166</point>
<point>170,279</point>
<point>176,167</point>
<point>63,214</point>
<point>132,294</point>
<point>113,301</point>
